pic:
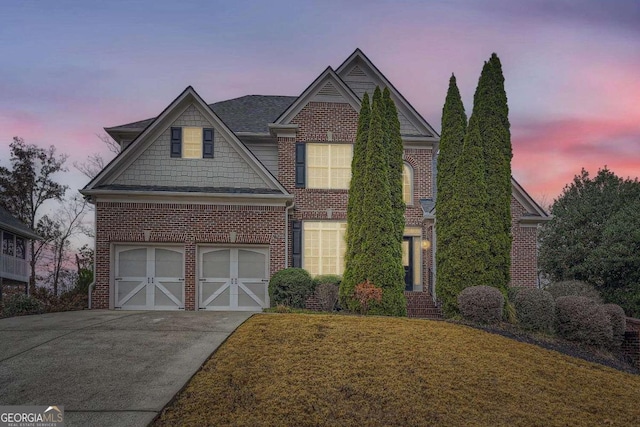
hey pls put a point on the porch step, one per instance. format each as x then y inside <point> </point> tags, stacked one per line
<point>420,305</point>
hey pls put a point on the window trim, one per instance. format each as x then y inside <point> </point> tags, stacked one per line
<point>407,167</point>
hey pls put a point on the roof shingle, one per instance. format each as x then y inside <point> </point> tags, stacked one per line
<point>250,113</point>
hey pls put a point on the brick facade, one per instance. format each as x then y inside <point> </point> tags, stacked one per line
<point>524,253</point>
<point>188,225</point>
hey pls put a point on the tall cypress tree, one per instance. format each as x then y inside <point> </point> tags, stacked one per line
<point>352,273</point>
<point>379,259</point>
<point>468,248</point>
<point>491,109</point>
<point>395,152</point>
<point>454,124</point>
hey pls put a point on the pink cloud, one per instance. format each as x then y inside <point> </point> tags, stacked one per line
<point>547,154</point>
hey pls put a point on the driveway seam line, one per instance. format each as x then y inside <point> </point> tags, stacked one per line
<point>60,336</point>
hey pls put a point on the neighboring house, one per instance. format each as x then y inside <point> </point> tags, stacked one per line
<point>205,202</point>
<point>14,256</point>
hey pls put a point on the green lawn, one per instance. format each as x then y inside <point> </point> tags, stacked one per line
<point>311,370</point>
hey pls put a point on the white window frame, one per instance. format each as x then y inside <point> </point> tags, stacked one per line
<point>408,170</point>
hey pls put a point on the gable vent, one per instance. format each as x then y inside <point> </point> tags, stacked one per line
<point>328,90</point>
<point>357,72</point>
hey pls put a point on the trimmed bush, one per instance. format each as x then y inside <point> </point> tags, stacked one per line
<point>513,291</point>
<point>535,309</point>
<point>481,304</point>
<point>21,304</point>
<point>333,279</point>
<point>290,287</point>
<point>581,319</point>
<point>618,323</point>
<point>574,288</point>
<point>327,295</point>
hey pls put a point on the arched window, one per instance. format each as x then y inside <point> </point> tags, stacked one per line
<point>407,184</point>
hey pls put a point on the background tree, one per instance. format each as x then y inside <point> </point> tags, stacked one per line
<point>379,257</point>
<point>68,222</point>
<point>594,236</point>
<point>96,162</point>
<point>491,109</point>
<point>454,124</point>
<point>468,248</point>
<point>29,184</point>
<point>353,274</point>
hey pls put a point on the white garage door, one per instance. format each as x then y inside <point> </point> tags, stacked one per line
<point>233,278</point>
<point>149,278</point>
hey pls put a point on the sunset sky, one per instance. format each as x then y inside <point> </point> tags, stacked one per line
<point>572,68</point>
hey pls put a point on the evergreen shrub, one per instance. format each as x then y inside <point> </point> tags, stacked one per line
<point>535,309</point>
<point>574,288</point>
<point>581,319</point>
<point>482,304</point>
<point>290,287</point>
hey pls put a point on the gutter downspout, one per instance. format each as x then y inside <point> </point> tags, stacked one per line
<point>95,238</point>
<point>286,233</point>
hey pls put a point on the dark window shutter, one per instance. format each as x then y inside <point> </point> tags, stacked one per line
<point>300,159</point>
<point>296,227</point>
<point>207,143</point>
<point>176,142</point>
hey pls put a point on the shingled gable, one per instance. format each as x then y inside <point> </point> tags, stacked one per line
<point>359,73</point>
<point>105,183</point>
<point>327,87</point>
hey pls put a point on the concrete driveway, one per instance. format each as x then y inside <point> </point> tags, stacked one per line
<point>106,367</point>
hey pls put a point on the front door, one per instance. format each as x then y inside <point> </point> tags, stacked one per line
<point>407,262</point>
<point>233,278</point>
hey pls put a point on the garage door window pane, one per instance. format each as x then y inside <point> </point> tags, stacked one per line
<point>174,289</point>
<point>168,263</point>
<point>133,263</point>
<point>251,264</point>
<point>138,298</point>
<point>216,263</point>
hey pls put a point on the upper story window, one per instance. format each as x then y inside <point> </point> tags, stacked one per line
<point>8,243</point>
<point>192,142</point>
<point>407,184</point>
<point>21,251</point>
<point>329,165</point>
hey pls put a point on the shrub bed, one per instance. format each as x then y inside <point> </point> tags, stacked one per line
<point>21,304</point>
<point>482,304</point>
